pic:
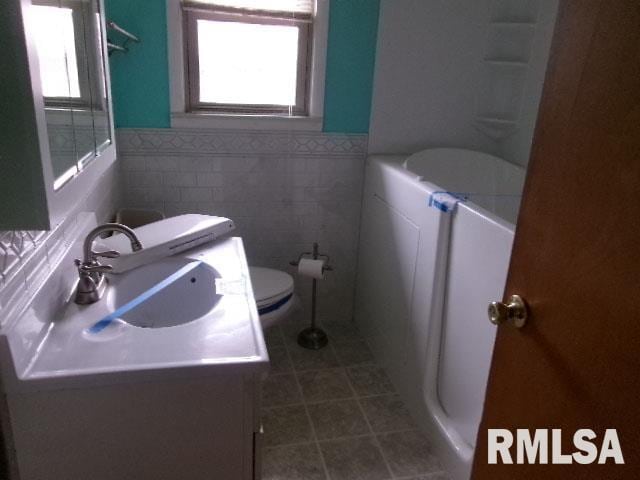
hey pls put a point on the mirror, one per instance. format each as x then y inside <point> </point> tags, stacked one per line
<point>69,44</point>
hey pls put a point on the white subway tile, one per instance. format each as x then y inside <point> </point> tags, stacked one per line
<point>209,179</point>
<point>133,163</point>
<point>142,179</point>
<point>197,164</point>
<point>179,179</point>
<point>304,179</point>
<point>196,194</point>
<point>171,194</point>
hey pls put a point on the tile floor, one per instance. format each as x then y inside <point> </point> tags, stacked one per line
<point>333,414</point>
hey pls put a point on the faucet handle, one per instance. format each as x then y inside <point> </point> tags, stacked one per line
<point>106,254</point>
<point>95,268</point>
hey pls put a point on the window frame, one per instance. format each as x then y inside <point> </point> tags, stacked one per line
<point>191,15</point>
<point>180,117</point>
<point>92,96</point>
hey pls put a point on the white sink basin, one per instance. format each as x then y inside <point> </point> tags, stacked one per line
<point>189,297</point>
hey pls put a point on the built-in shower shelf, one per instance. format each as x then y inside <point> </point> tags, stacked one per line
<point>496,127</point>
<point>506,61</point>
<point>515,23</point>
<point>502,73</point>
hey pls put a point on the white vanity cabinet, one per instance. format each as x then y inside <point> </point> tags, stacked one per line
<point>199,428</point>
<point>130,403</point>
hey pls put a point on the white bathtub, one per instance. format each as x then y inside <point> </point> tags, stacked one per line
<point>425,278</point>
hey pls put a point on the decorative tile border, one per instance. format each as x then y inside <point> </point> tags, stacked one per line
<point>179,141</point>
<point>15,246</point>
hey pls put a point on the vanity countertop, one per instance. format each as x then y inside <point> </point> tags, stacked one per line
<point>229,339</point>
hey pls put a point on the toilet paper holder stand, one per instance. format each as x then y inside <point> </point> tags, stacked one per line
<point>313,338</point>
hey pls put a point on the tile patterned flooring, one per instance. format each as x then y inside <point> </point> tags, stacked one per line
<point>333,414</point>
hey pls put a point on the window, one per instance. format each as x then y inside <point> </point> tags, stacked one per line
<point>56,46</point>
<point>67,36</point>
<point>248,56</point>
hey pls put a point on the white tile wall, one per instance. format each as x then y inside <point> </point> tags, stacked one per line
<point>284,190</point>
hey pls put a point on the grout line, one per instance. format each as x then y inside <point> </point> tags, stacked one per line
<point>348,383</point>
<point>375,439</point>
<point>292,444</point>
<point>315,369</point>
<point>427,475</point>
<point>352,397</point>
<point>363,435</point>
<point>372,433</point>
<point>306,409</point>
<point>347,437</point>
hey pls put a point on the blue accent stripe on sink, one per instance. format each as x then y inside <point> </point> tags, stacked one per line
<point>104,323</point>
<point>275,306</point>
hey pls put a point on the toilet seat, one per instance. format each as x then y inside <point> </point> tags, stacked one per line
<point>273,293</point>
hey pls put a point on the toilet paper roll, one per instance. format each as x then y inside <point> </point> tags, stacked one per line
<point>309,267</point>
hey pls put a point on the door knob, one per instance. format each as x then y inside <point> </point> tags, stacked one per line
<point>514,312</point>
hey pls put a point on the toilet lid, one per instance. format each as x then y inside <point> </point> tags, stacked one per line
<point>269,285</point>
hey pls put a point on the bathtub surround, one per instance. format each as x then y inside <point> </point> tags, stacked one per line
<point>423,80</point>
<point>28,257</point>
<point>516,148</point>
<point>284,190</point>
<point>460,74</point>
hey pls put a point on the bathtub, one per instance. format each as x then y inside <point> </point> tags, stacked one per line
<point>426,273</point>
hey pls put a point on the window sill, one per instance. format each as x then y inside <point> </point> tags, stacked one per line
<point>245,122</point>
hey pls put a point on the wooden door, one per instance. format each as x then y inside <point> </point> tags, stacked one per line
<point>576,255</point>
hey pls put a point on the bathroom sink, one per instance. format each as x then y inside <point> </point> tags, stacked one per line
<point>191,312</point>
<point>69,377</point>
<point>167,293</point>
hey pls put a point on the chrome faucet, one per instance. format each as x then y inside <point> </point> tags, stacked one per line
<point>92,283</point>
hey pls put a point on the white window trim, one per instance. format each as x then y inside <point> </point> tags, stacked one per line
<point>182,119</point>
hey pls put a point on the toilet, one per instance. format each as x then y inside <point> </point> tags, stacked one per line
<point>273,292</point>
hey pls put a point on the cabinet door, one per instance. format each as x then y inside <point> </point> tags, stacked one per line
<point>55,113</point>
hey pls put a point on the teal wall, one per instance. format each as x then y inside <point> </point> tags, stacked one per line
<point>353,28</point>
<point>140,78</point>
